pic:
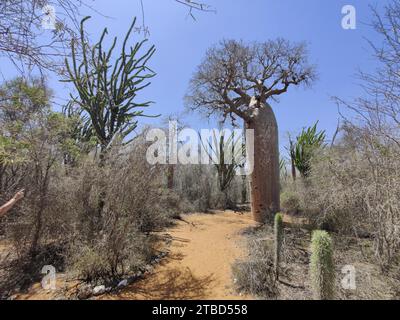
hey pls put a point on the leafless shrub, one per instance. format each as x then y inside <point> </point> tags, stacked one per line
<point>290,201</point>
<point>136,203</point>
<point>195,185</point>
<point>356,184</point>
<point>354,188</point>
<point>198,190</point>
<point>111,256</point>
<point>96,245</point>
<point>26,43</point>
<point>256,274</point>
<point>37,236</point>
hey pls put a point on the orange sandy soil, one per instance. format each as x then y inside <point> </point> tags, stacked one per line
<point>203,248</point>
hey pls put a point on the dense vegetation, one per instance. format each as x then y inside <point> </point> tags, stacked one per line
<point>94,207</point>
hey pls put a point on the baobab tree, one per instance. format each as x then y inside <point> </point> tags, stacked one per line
<point>237,80</point>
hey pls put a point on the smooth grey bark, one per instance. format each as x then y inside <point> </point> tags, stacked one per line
<point>265,200</point>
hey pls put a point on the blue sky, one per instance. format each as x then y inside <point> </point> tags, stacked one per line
<point>181,43</point>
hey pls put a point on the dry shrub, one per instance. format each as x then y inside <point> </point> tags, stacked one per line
<point>197,187</point>
<point>40,229</point>
<point>40,226</point>
<point>79,208</point>
<point>135,203</point>
<point>290,201</point>
<point>137,189</point>
<point>37,235</point>
<point>96,218</point>
<point>256,275</point>
<point>235,190</point>
<point>354,188</point>
<point>109,258</point>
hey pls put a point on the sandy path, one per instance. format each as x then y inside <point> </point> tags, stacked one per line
<point>202,250</point>
<point>199,264</point>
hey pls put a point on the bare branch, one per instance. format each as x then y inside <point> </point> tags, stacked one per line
<point>24,40</point>
<point>378,108</point>
<point>193,5</point>
<point>234,74</point>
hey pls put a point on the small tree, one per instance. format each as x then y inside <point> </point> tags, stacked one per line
<point>238,80</point>
<point>32,141</point>
<point>107,91</point>
<point>21,101</point>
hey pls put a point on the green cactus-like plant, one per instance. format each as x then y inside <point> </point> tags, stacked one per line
<point>107,88</point>
<point>302,150</point>
<point>278,234</point>
<point>322,271</point>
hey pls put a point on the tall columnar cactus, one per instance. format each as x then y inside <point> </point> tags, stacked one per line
<point>278,233</point>
<point>322,271</point>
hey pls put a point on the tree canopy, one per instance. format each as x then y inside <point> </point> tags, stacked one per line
<point>234,74</point>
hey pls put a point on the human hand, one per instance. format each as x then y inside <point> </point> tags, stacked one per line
<point>19,195</point>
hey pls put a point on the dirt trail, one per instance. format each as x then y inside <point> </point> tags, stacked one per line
<point>199,264</point>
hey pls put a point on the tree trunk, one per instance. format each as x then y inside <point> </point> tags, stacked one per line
<point>293,170</point>
<point>244,189</point>
<point>265,186</point>
<point>170,176</point>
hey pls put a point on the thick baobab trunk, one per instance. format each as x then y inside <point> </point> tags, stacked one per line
<point>265,177</point>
